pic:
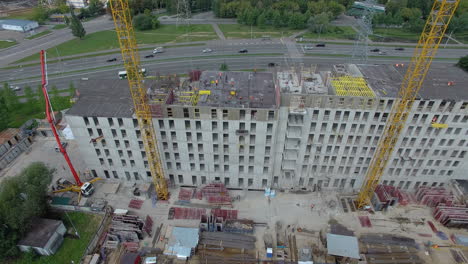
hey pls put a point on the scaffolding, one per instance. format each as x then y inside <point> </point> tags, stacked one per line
<point>351,86</point>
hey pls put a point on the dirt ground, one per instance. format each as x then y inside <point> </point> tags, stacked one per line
<point>311,212</point>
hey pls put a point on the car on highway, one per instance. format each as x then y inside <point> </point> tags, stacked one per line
<point>375,50</point>
<point>243,51</point>
<point>272,64</point>
<point>15,88</point>
<point>399,48</point>
<point>149,56</point>
<point>320,45</point>
<point>158,50</point>
<point>308,47</point>
<point>207,50</point>
<point>111,60</point>
<point>382,53</point>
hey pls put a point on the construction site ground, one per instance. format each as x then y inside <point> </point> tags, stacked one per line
<point>303,214</point>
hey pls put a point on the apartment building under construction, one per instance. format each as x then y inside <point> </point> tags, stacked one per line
<point>304,127</point>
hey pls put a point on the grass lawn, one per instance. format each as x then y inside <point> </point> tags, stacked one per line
<point>233,31</point>
<point>34,109</point>
<point>43,33</point>
<point>394,34</point>
<point>6,44</point>
<point>59,26</point>
<point>339,32</point>
<point>71,249</point>
<point>462,37</point>
<point>107,39</point>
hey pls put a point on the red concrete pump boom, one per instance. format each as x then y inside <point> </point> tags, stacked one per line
<point>51,120</point>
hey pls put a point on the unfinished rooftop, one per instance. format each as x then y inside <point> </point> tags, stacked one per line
<point>372,80</point>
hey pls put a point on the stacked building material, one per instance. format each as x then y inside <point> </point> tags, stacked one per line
<point>185,194</point>
<point>384,196</point>
<point>434,196</point>
<point>404,198</point>
<point>243,226</point>
<point>123,229</point>
<point>383,248</point>
<point>225,214</point>
<point>452,216</point>
<point>216,193</point>
<point>221,240</point>
<point>186,213</point>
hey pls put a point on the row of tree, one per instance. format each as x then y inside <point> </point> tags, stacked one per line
<point>411,15</point>
<point>280,13</point>
<point>22,198</point>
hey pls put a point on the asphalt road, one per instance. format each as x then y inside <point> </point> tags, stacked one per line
<point>184,66</point>
<point>220,48</point>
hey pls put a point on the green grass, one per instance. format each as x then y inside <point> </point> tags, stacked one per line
<point>59,26</point>
<point>394,34</point>
<point>6,44</point>
<point>107,39</point>
<point>71,249</point>
<point>338,32</point>
<point>462,37</point>
<point>43,33</point>
<point>233,31</point>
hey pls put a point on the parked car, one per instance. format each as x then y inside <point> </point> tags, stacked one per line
<point>149,56</point>
<point>375,50</point>
<point>111,60</point>
<point>399,48</point>
<point>271,64</point>
<point>243,51</point>
<point>308,47</point>
<point>320,45</point>
<point>207,50</point>
<point>158,50</point>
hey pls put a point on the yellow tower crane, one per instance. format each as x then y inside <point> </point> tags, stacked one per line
<point>434,30</point>
<point>131,59</point>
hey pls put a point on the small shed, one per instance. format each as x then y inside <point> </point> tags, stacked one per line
<point>343,246</point>
<point>45,237</point>
<point>18,25</point>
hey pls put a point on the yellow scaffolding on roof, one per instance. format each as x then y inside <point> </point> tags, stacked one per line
<point>351,86</point>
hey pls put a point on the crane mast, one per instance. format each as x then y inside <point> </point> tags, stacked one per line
<point>433,32</point>
<point>131,59</point>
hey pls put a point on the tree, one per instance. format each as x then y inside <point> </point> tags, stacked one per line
<point>22,198</point>
<point>223,67</point>
<point>39,14</point>
<point>95,7</point>
<point>4,113</point>
<point>414,25</point>
<point>459,24</point>
<point>335,8</point>
<point>463,63</point>
<point>319,23</point>
<point>76,27</point>
<point>143,22</point>
<point>261,20</point>
<point>297,21</point>
<point>410,13</point>
<point>10,97</point>
<point>30,96</point>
